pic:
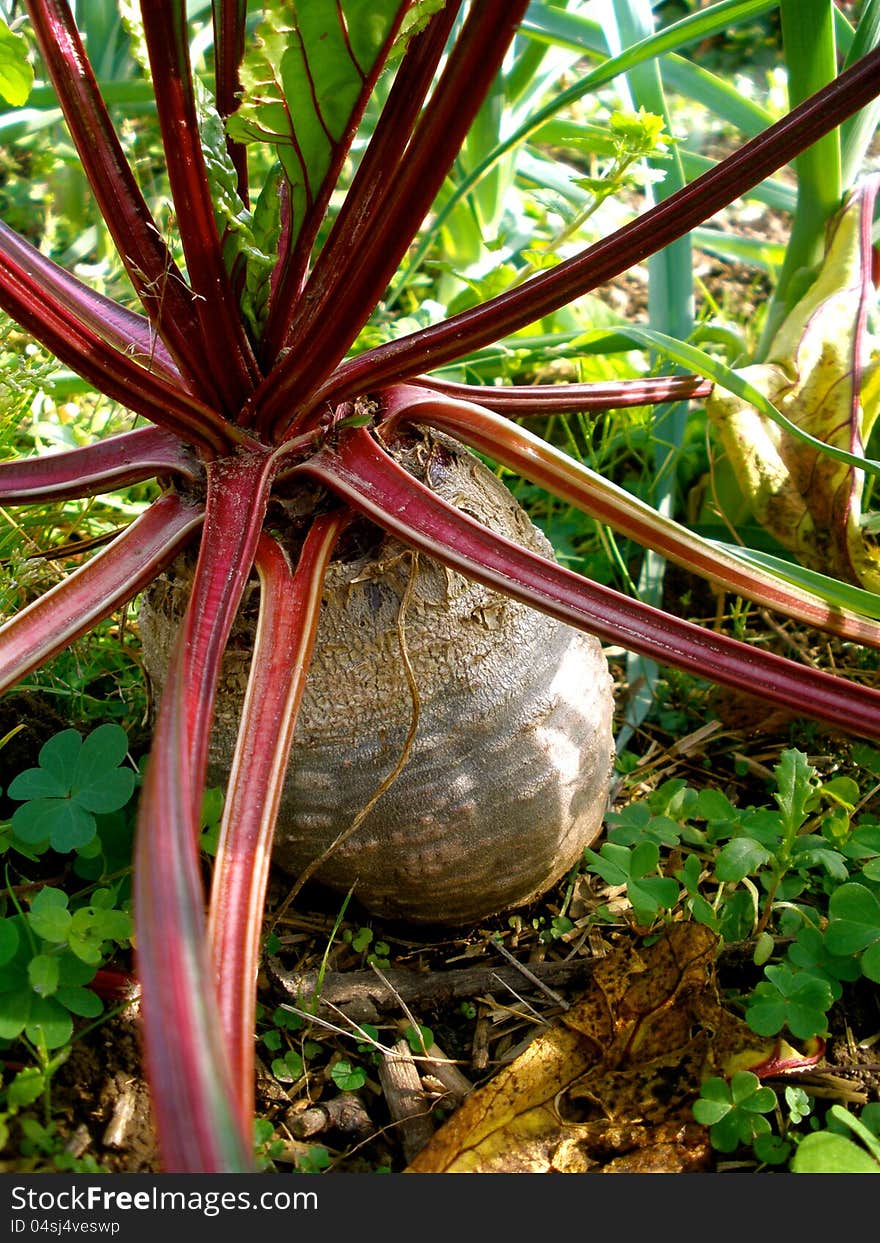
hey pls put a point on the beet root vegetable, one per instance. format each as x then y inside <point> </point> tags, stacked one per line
<point>491,720</point>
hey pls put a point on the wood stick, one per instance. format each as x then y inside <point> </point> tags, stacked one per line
<point>408,1102</point>
<point>364,997</point>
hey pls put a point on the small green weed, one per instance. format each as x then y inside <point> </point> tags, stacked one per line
<point>831,1151</point>
<point>76,811</point>
<point>800,883</point>
<point>75,780</point>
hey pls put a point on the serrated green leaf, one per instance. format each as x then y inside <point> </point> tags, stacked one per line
<point>26,1087</point>
<point>235,222</point>
<point>43,974</point>
<point>806,854</point>
<point>16,71</point>
<point>794,777</point>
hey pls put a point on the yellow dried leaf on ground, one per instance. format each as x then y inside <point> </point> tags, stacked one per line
<point>609,1088</point>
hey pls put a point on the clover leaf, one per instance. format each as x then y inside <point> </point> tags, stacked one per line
<point>74,781</point>
<point>854,927</point>
<point>637,869</point>
<point>793,999</point>
<point>733,1110</point>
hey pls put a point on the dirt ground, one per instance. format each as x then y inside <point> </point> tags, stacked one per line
<point>484,993</point>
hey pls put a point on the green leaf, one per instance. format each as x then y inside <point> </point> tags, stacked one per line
<point>742,856</point>
<point>648,894</point>
<point>827,1153</point>
<point>795,1000</point>
<point>59,756</point>
<point>91,926</point>
<point>611,863</point>
<point>107,792</point>
<point>9,940</point>
<point>63,821</point>
<point>870,962</point>
<point>81,1001</point>
<point>73,972</point>
<point>810,952</point>
<point>14,1013</point>
<point>16,71</point>
<point>714,806</point>
<point>36,783</point>
<point>43,974</point>
<point>50,1022</point>
<point>854,920</point>
<point>49,916</point>
<point>348,1078</point>
<point>419,1038</point>
<point>289,1068</point>
<point>772,1149</point>
<point>305,85</point>
<point>104,749</point>
<point>26,1087</point>
<point>794,776</point>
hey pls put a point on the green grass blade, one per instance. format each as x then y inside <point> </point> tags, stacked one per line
<point>704,364</point>
<point>577,32</point>
<point>857,134</point>
<point>832,590</point>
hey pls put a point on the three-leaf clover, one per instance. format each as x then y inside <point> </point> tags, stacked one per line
<point>638,868</point>
<point>75,780</point>
<point>733,1110</point>
<point>793,999</point>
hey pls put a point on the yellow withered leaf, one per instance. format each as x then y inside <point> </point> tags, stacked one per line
<point>610,1087</point>
<point>823,374</point>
